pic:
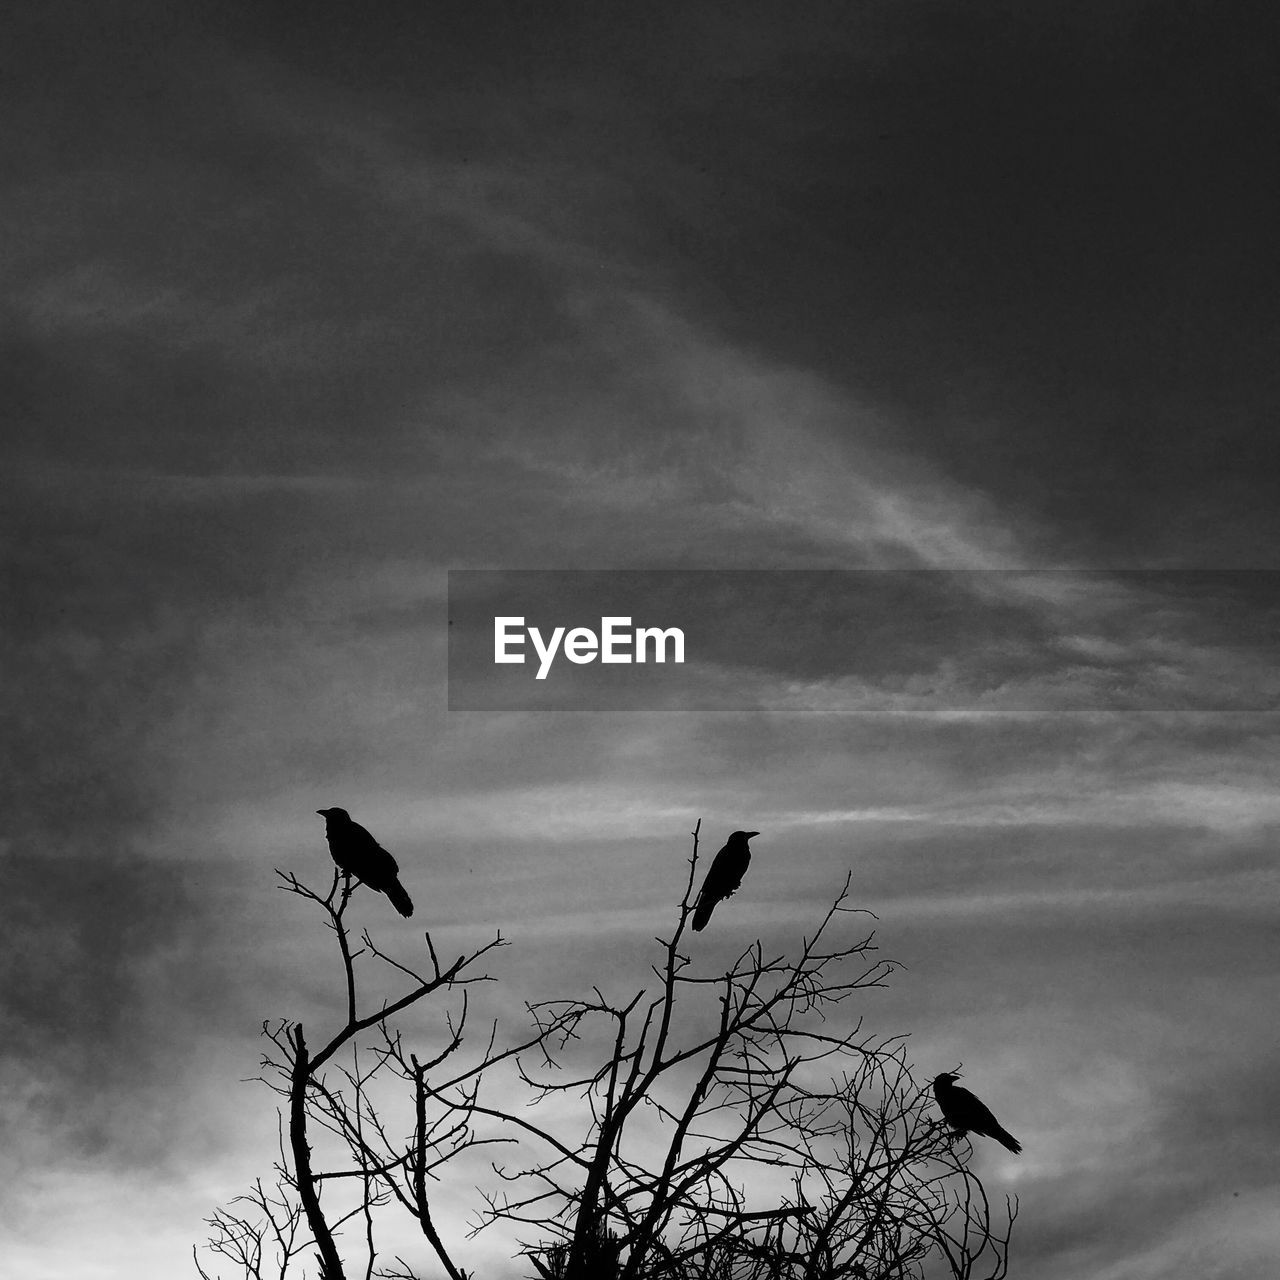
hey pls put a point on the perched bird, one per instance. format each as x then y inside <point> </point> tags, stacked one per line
<point>727,870</point>
<point>358,854</point>
<point>966,1114</point>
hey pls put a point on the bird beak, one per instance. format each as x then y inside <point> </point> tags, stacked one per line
<point>323,812</point>
<point>752,833</point>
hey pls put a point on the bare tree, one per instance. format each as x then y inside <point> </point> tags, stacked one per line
<point>335,1094</point>
<point>735,1125</point>
<point>259,1231</point>
<point>742,1125</point>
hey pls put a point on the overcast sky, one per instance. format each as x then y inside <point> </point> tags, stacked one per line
<point>306,305</point>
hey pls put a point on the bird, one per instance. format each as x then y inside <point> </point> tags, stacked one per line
<point>967,1114</point>
<point>358,854</point>
<point>727,869</point>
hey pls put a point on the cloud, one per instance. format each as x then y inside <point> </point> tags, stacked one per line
<point>99,963</point>
<point>294,330</point>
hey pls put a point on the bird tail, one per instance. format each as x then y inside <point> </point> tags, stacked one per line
<point>1006,1139</point>
<point>399,899</point>
<point>702,913</point>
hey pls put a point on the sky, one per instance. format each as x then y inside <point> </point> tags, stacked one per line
<point>955,324</point>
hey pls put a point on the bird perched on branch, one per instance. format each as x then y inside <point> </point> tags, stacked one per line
<point>358,854</point>
<point>727,870</point>
<point>966,1114</point>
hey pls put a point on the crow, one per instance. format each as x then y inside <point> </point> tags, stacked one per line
<point>358,854</point>
<point>727,870</point>
<point>966,1114</point>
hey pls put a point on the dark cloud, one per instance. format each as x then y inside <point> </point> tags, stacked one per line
<point>82,941</point>
<point>1043,239</point>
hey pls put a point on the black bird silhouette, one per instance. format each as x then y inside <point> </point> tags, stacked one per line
<point>966,1114</point>
<point>727,869</point>
<point>358,854</point>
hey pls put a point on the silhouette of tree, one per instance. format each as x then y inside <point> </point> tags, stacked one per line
<point>731,1127</point>
<point>721,1124</point>
<point>332,1094</point>
<point>261,1223</point>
